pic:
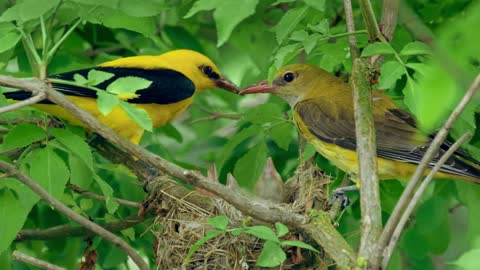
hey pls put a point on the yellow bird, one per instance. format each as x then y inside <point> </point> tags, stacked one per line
<point>176,76</point>
<point>324,114</point>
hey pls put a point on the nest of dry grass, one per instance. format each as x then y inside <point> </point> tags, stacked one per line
<point>182,220</point>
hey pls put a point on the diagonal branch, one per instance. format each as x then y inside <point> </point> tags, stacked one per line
<point>368,15</point>
<point>112,238</point>
<point>411,206</point>
<point>21,257</point>
<point>27,102</point>
<point>77,231</point>
<point>419,172</point>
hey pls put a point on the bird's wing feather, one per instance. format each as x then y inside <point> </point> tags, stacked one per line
<point>396,135</point>
<point>396,139</point>
<point>167,87</point>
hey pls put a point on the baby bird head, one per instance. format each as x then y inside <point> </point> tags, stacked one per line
<point>293,83</point>
<point>199,69</point>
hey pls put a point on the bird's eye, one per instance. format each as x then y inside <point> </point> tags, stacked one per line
<point>288,77</point>
<point>207,70</point>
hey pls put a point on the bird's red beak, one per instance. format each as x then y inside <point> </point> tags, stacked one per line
<point>260,87</point>
<point>226,84</point>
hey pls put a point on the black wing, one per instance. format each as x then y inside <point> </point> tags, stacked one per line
<point>168,86</point>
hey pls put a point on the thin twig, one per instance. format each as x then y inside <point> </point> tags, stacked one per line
<point>112,238</point>
<point>216,116</point>
<point>21,257</point>
<point>260,210</point>
<point>389,18</point>
<point>419,172</point>
<point>374,33</point>
<point>371,218</point>
<point>388,24</point>
<point>64,231</point>
<point>418,194</point>
<point>352,40</point>
<point>102,198</point>
<point>27,102</point>
<point>62,39</point>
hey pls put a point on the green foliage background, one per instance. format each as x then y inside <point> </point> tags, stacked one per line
<point>249,40</point>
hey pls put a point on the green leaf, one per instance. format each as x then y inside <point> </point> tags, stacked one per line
<point>172,132</point>
<point>14,210</point>
<point>147,8</point>
<point>233,142</point>
<point>28,9</point>
<point>377,48</point>
<point>415,48</point>
<point>263,113</point>
<point>299,244</point>
<point>250,166</point>
<point>436,95</point>
<point>469,260</point>
<point>49,171</point>
<point>289,22</point>
<point>272,255</point>
<point>299,35</point>
<point>106,102</point>
<point>75,144</point>
<point>128,85</point>
<point>219,222</point>
<point>323,27</point>
<point>86,204</point>
<point>282,134</point>
<point>262,232</point>
<point>80,174</point>
<point>140,116</point>
<point>316,4</point>
<point>202,5</point>
<point>229,14</point>
<point>80,79</point>
<point>8,41</point>
<point>21,136</point>
<point>114,18</point>
<point>281,229</point>
<point>284,55</point>
<point>107,190</point>
<point>390,72</point>
<point>310,42</point>
<point>96,77</point>
<point>208,236</point>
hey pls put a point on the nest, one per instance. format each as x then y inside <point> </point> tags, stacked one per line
<point>182,220</point>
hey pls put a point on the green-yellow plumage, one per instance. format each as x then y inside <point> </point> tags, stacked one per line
<point>176,77</point>
<point>324,114</point>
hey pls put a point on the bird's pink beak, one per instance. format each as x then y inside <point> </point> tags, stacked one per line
<point>260,87</point>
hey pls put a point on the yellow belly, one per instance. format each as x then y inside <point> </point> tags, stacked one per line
<point>118,120</point>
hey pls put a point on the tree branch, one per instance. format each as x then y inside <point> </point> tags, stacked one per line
<point>419,172</point>
<point>352,40</point>
<point>102,198</point>
<point>418,194</point>
<point>389,18</point>
<point>374,33</point>
<point>64,231</point>
<point>21,257</point>
<point>117,241</point>
<point>371,218</point>
<point>27,102</point>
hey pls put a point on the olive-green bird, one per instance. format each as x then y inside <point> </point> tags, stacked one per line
<point>324,114</point>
